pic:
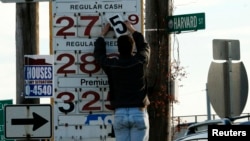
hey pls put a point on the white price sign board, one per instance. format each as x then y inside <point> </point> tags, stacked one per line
<point>82,107</point>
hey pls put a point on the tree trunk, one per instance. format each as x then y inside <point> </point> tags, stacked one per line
<point>159,70</point>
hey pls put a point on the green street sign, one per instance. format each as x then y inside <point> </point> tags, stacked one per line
<point>2,123</point>
<point>187,22</point>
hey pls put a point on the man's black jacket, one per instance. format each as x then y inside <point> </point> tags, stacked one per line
<point>126,74</point>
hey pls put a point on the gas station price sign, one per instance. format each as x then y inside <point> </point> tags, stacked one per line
<point>81,96</point>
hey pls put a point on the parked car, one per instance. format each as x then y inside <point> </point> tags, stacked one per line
<point>239,120</point>
<point>200,136</point>
<point>198,131</point>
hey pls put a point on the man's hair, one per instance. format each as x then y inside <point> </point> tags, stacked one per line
<point>125,45</point>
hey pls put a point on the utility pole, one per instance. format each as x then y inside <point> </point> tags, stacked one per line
<point>27,42</point>
<point>159,75</point>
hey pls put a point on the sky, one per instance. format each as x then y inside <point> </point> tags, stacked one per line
<point>225,19</point>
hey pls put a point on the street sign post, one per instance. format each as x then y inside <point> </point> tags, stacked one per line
<point>179,23</point>
<point>227,84</point>
<point>28,121</point>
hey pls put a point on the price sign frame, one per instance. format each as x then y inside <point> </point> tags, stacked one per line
<point>81,87</point>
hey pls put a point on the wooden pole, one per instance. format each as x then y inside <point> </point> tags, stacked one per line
<point>27,36</point>
<point>159,69</point>
<point>27,41</point>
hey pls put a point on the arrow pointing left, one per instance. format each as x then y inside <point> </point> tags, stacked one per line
<point>37,121</point>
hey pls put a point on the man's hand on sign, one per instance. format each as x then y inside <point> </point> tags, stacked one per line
<point>105,30</point>
<point>130,27</point>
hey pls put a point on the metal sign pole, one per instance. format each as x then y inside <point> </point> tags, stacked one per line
<point>229,61</point>
<point>208,105</point>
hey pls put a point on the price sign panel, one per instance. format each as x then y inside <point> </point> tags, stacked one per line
<point>38,71</point>
<point>81,94</point>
